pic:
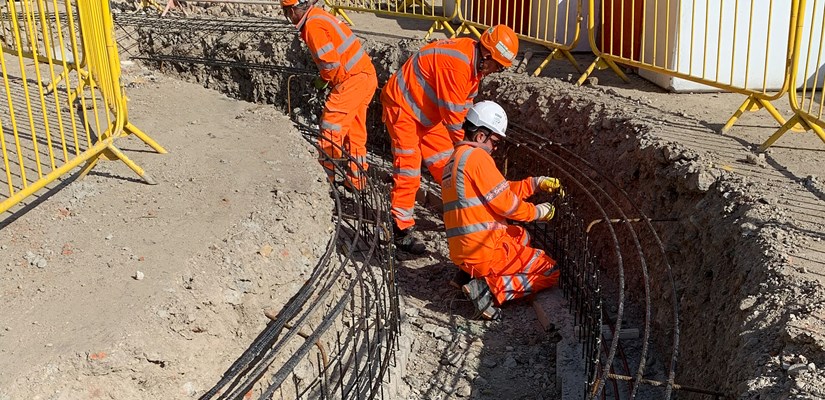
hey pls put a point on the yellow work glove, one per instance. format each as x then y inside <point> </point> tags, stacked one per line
<point>551,185</point>
<point>320,84</point>
<point>546,211</point>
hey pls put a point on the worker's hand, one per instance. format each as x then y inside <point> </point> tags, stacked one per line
<point>320,84</point>
<point>546,211</point>
<point>551,185</point>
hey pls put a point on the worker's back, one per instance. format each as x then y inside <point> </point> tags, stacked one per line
<point>419,87</point>
<point>335,49</point>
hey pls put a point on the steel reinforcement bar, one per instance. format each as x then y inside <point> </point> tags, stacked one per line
<point>337,336</point>
<point>628,248</point>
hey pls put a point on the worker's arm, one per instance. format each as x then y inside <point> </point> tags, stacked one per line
<point>496,190</point>
<point>525,187</point>
<point>324,52</point>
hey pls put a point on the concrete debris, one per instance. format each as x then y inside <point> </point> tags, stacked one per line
<point>36,260</point>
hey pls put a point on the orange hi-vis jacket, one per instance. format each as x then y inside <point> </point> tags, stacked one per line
<point>478,200</point>
<point>335,49</point>
<point>438,84</point>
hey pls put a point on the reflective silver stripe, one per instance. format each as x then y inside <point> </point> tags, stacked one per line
<point>330,126</point>
<point>459,178</point>
<point>462,203</point>
<point>437,157</point>
<point>332,21</point>
<point>404,214</point>
<point>538,213</point>
<point>525,283</point>
<point>446,52</point>
<point>324,50</point>
<point>347,42</point>
<point>496,191</point>
<point>361,159</point>
<point>535,182</point>
<point>430,92</point>
<point>536,255</point>
<point>454,127</point>
<point>526,240</point>
<point>416,109</point>
<point>508,287</point>
<point>406,172</point>
<point>466,230</point>
<point>354,60</point>
<point>455,107</point>
<point>331,65</point>
<point>397,150</point>
<point>513,208</point>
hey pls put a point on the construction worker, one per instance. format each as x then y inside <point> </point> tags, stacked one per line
<point>477,203</point>
<point>424,106</point>
<point>345,66</point>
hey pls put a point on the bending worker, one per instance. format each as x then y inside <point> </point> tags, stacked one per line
<point>424,106</point>
<point>344,65</point>
<point>477,203</point>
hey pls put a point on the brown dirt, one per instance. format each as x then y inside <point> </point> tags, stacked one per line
<point>748,246</point>
<point>230,229</point>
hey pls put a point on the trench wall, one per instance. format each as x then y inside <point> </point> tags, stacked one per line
<point>735,301</point>
<point>734,298</point>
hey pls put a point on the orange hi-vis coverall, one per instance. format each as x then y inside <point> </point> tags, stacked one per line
<point>424,107</point>
<point>344,64</point>
<point>477,203</point>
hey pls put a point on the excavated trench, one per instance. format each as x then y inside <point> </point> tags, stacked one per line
<point>737,308</point>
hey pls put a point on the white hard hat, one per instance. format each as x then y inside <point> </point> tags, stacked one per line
<point>490,115</point>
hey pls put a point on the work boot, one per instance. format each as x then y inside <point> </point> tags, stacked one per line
<point>460,279</point>
<point>479,293</point>
<point>405,241</point>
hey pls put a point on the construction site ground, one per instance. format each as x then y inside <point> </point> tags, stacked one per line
<point>116,289</point>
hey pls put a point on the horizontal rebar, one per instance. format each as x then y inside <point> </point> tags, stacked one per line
<point>676,386</point>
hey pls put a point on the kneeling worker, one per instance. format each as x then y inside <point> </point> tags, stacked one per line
<point>478,200</point>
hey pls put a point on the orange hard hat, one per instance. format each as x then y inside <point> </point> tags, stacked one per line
<point>502,43</point>
<point>288,3</point>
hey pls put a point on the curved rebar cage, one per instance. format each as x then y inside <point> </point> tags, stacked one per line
<point>336,338</point>
<point>597,289</point>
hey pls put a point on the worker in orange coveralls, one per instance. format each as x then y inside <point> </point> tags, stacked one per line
<point>477,203</point>
<point>424,106</point>
<point>344,65</point>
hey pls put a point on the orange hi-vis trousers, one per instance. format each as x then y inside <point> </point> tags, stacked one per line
<point>344,123</point>
<point>412,143</point>
<point>515,269</point>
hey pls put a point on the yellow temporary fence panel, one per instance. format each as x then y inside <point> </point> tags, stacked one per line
<point>723,44</point>
<point>807,72</point>
<point>551,23</point>
<point>441,12</point>
<point>53,122</point>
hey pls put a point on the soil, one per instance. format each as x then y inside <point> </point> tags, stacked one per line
<point>745,239</point>
<point>151,291</point>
